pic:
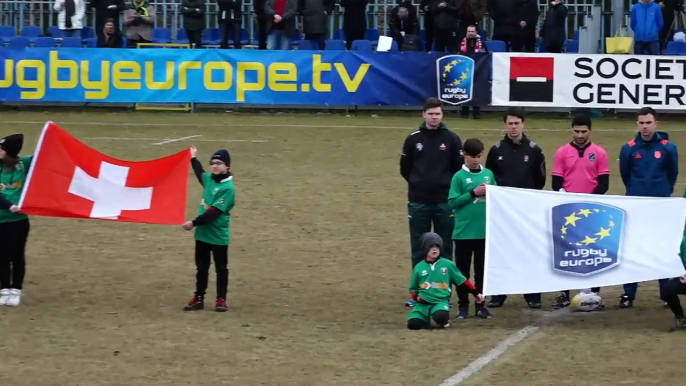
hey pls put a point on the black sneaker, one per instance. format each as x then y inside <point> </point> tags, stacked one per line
<point>463,313</point>
<point>197,303</point>
<point>560,302</point>
<point>535,305</point>
<point>495,303</point>
<point>624,302</point>
<point>483,313</point>
<point>679,324</point>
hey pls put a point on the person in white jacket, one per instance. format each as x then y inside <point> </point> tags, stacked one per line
<point>70,18</point>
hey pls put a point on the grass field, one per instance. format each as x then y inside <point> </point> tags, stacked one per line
<point>319,267</point>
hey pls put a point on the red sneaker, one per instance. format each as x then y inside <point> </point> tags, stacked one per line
<point>221,306</point>
<point>197,303</point>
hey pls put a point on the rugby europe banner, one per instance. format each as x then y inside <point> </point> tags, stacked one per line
<point>69,179</point>
<point>328,78</point>
<point>592,81</point>
<point>544,241</point>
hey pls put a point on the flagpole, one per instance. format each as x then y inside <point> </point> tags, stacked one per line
<point>33,162</point>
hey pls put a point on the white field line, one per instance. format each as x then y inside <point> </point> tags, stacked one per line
<point>490,356</point>
<point>501,348</point>
<point>159,139</point>
<point>253,124</point>
<point>175,140</point>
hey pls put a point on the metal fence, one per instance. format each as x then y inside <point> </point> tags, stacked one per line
<point>21,13</point>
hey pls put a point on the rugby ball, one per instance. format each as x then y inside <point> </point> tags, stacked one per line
<point>587,302</point>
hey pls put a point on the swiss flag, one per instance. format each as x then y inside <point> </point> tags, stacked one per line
<point>69,179</point>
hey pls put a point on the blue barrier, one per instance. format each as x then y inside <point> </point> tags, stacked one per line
<point>330,78</point>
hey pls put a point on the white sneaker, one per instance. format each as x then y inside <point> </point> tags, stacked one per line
<point>4,296</point>
<point>15,298</point>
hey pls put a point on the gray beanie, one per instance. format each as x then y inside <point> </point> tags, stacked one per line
<point>431,239</point>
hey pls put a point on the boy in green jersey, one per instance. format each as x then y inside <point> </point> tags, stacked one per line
<point>212,227</point>
<point>14,226</point>
<point>467,198</point>
<point>430,285</point>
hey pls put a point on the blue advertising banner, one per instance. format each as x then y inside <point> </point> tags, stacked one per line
<point>334,78</point>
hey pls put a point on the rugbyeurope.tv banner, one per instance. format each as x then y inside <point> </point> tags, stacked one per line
<point>334,78</point>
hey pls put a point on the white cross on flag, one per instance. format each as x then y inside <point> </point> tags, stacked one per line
<point>69,179</point>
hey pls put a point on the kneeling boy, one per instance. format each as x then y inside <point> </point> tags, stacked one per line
<point>430,285</point>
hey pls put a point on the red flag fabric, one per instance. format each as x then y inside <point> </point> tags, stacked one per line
<point>69,179</point>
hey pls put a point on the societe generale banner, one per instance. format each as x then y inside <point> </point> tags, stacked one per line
<point>591,81</point>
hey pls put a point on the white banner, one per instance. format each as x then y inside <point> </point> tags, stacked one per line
<point>592,81</point>
<point>544,241</point>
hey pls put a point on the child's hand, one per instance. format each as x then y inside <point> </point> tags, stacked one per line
<point>480,298</point>
<point>682,279</point>
<point>480,190</point>
<point>194,151</point>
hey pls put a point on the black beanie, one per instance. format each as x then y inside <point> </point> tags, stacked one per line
<point>431,239</point>
<point>12,144</point>
<point>222,155</point>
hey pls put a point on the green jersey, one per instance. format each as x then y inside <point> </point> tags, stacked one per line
<point>12,185</point>
<point>469,211</point>
<point>221,195</point>
<point>432,281</point>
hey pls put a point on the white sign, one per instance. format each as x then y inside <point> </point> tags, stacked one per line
<point>543,241</point>
<point>109,192</point>
<point>592,81</point>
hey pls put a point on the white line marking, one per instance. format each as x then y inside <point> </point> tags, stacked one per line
<point>490,356</point>
<point>175,140</point>
<point>322,126</point>
<point>502,347</point>
<point>159,139</point>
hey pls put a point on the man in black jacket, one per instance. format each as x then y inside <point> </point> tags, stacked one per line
<point>429,159</point>
<point>517,162</point>
<point>229,19</point>
<point>445,18</point>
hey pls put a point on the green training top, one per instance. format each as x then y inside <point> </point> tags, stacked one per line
<point>221,195</point>
<point>469,212</point>
<point>12,185</point>
<point>432,281</point>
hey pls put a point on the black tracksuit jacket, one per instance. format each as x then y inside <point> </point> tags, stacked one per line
<point>428,162</point>
<point>517,165</point>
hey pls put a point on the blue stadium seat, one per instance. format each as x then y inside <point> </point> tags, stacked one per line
<point>311,45</point>
<point>7,32</point>
<point>482,33</point>
<point>541,47</point>
<point>71,42</point>
<point>87,33</point>
<point>339,35</point>
<point>335,45</point>
<point>496,46</point>
<point>161,35</point>
<point>18,42</point>
<point>45,42</point>
<point>576,35</point>
<point>31,33</point>
<point>572,47</point>
<point>245,37</point>
<point>182,36</point>
<point>372,35</point>
<point>93,42</point>
<point>211,37</point>
<point>362,46</point>
<point>675,48</point>
<point>55,32</point>
<point>394,47</point>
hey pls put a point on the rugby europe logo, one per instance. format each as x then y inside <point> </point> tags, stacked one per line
<point>587,238</point>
